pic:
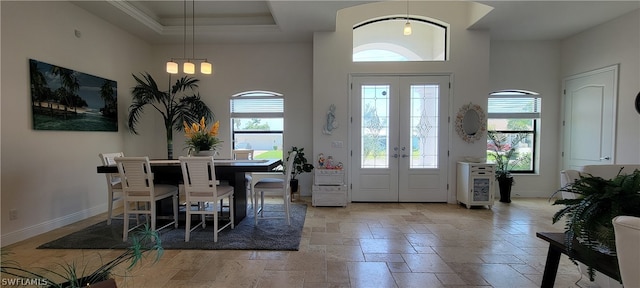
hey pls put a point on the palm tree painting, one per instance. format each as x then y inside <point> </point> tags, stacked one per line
<point>68,100</point>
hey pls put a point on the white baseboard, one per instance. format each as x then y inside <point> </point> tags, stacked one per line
<point>31,231</point>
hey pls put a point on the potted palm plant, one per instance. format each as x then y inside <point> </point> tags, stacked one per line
<point>502,151</point>
<point>144,241</point>
<point>178,105</point>
<point>300,165</point>
<point>588,217</point>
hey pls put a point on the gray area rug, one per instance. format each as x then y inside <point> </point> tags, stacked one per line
<point>270,234</point>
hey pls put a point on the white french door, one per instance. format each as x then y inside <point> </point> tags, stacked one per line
<point>399,138</point>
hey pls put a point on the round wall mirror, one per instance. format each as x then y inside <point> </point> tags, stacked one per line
<point>471,122</point>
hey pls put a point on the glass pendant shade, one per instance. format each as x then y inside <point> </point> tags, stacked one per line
<point>407,29</point>
<point>189,68</point>
<point>206,68</point>
<point>172,67</point>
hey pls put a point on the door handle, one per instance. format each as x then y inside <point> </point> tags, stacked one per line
<point>605,158</point>
<point>405,155</point>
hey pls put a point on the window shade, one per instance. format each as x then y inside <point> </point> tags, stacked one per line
<point>514,107</point>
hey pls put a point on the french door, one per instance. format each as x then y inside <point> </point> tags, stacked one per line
<point>399,138</point>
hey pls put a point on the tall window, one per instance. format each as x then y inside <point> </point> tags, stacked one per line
<point>382,40</point>
<point>257,119</point>
<point>514,113</point>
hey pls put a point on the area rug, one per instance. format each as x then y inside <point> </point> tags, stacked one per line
<point>270,234</point>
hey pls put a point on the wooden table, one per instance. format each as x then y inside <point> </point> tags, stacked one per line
<point>606,264</point>
<point>169,171</point>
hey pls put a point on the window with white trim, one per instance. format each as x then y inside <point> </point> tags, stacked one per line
<point>513,113</point>
<point>257,122</point>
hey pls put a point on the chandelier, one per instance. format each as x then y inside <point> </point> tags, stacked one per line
<point>188,66</point>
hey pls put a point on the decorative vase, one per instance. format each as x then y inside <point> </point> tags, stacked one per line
<point>504,184</point>
<point>207,153</point>
<point>294,185</point>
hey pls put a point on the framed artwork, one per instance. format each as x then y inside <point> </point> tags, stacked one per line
<point>68,100</point>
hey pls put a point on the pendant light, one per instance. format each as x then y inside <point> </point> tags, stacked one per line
<point>407,26</point>
<point>189,67</point>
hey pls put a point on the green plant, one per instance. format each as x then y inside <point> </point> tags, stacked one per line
<point>502,151</point>
<point>199,137</point>
<point>300,163</point>
<point>175,106</point>
<point>588,217</point>
<point>74,275</point>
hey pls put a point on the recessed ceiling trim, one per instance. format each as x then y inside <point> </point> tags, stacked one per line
<point>138,15</point>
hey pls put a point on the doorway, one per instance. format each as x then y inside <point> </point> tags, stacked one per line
<point>399,135</point>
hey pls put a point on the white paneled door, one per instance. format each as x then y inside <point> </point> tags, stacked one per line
<point>589,118</point>
<point>399,138</point>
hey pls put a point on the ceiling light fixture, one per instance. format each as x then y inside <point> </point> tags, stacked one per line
<point>407,26</point>
<point>189,67</point>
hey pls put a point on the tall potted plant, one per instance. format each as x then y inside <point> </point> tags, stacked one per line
<point>300,165</point>
<point>178,105</point>
<point>502,151</point>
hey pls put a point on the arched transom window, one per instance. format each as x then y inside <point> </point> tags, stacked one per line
<point>383,40</point>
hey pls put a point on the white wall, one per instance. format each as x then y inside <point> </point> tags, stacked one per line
<point>533,66</point>
<point>332,66</point>
<point>49,177</point>
<point>615,42</point>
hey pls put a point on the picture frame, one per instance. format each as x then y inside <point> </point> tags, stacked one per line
<point>67,100</point>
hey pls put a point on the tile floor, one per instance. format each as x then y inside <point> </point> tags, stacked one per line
<point>363,245</point>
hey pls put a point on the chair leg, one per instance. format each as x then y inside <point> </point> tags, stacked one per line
<point>255,208</point>
<point>286,210</point>
<point>215,221</point>
<point>153,216</point>
<point>231,211</point>
<point>187,229</point>
<point>110,209</point>
<point>175,210</point>
<point>125,225</point>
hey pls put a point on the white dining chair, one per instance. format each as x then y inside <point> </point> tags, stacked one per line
<point>277,187</point>
<point>200,186</point>
<point>138,187</point>
<point>245,154</point>
<point>114,185</point>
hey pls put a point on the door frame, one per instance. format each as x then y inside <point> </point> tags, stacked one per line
<point>450,100</point>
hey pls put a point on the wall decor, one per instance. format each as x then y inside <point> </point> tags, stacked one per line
<point>471,122</point>
<point>68,100</point>
<point>331,123</point>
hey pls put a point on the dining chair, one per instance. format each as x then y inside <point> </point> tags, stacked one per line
<point>200,186</point>
<point>274,186</point>
<point>138,187</point>
<point>114,185</point>
<point>245,154</point>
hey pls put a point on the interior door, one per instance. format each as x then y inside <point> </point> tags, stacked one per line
<point>589,118</point>
<point>400,138</point>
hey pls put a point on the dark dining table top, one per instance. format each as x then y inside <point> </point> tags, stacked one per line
<point>258,165</point>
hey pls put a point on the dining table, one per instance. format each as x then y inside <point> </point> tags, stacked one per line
<point>168,171</point>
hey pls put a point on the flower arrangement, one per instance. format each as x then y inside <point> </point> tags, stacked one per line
<point>199,138</point>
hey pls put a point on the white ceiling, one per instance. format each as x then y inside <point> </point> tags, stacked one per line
<point>242,21</point>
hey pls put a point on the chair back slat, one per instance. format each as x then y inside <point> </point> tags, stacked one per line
<point>199,174</point>
<point>243,154</point>
<point>136,174</point>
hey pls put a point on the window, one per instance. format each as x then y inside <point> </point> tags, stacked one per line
<point>257,119</point>
<point>514,113</point>
<point>382,40</point>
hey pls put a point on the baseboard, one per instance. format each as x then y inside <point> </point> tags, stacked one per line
<point>31,231</point>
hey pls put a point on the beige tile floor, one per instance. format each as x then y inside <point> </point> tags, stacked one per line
<point>362,245</point>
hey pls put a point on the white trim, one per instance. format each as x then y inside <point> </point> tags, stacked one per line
<point>28,232</point>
